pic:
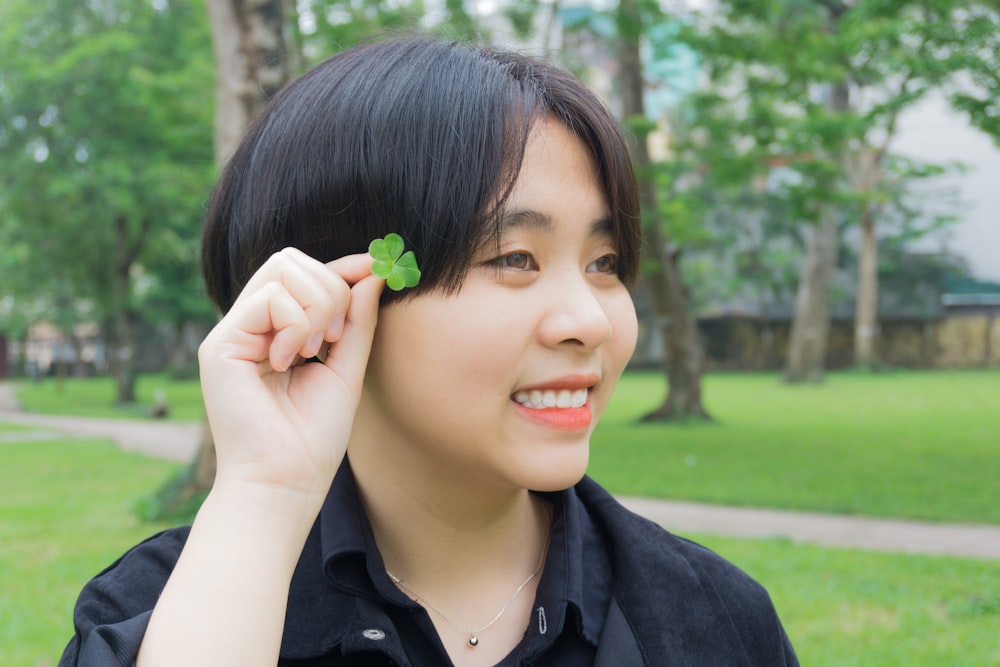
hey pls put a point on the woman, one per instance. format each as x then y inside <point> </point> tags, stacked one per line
<point>401,474</point>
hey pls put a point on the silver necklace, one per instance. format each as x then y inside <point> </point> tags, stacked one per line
<point>473,632</point>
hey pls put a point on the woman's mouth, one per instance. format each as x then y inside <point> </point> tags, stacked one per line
<point>538,399</point>
<point>559,409</point>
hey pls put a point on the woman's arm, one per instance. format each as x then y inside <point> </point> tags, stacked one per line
<point>281,430</point>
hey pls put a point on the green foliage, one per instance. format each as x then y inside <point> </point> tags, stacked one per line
<point>328,26</point>
<point>521,16</point>
<point>980,100</point>
<point>106,151</point>
<point>765,147</point>
<point>324,27</point>
<point>398,268</point>
<point>177,501</point>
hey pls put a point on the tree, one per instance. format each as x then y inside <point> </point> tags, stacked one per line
<point>105,149</point>
<point>682,349</point>
<point>821,84</point>
<point>252,63</point>
<point>253,45</point>
<point>979,97</point>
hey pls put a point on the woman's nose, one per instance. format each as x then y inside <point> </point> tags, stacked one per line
<point>575,316</point>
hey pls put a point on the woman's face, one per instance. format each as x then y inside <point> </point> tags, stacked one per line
<point>503,381</point>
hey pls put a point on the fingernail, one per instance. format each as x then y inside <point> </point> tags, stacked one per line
<point>315,342</point>
<point>335,329</point>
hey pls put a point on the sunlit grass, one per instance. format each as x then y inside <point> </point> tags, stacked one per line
<point>95,397</point>
<point>907,444</point>
<point>5,427</point>
<point>65,514</point>
<point>923,445</point>
<point>862,609</point>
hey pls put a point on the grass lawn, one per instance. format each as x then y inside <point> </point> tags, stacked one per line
<point>850,608</point>
<point>65,515</point>
<point>95,397</point>
<point>5,427</point>
<point>917,444</point>
<point>905,444</point>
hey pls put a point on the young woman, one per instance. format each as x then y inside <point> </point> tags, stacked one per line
<point>401,474</point>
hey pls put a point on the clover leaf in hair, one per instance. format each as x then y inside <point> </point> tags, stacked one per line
<point>399,269</point>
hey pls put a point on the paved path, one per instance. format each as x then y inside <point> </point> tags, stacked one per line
<point>178,441</point>
<point>174,441</point>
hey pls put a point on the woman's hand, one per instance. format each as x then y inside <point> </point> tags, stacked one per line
<point>281,429</point>
<point>281,426</point>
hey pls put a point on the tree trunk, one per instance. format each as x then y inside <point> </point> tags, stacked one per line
<point>866,306</point>
<point>184,352</point>
<point>682,355</point>
<point>125,372</point>
<point>124,320</point>
<point>865,175</point>
<point>251,65</point>
<point>811,320</point>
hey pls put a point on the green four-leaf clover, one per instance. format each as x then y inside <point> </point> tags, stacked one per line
<point>399,269</point>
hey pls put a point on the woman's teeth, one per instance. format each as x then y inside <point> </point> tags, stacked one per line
<point>550,398</point>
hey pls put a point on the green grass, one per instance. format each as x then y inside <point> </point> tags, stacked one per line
<point>909,444</point>
<point>5,427</point>
<point>904,444</point>
<point>65,514</point>
<point>95,397</point>
<point>849,608</point>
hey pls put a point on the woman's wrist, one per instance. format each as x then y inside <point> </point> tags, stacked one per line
<point>281,512</point>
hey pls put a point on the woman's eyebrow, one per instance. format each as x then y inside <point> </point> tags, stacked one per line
<point>602,227</point>
<point>525,219</point>
<point>537,221</point>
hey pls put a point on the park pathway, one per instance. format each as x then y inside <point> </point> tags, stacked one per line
<point>178,441</point>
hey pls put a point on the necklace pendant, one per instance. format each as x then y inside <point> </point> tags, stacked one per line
<point>473,641</point>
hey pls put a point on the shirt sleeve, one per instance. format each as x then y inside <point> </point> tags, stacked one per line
<point>113,610</point>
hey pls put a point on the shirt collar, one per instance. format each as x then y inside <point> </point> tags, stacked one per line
<point>576,554</point>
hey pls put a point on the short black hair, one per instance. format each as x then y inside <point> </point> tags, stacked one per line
<point>419,137</point>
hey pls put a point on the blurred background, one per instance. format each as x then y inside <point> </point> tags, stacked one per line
<point>818,304</point>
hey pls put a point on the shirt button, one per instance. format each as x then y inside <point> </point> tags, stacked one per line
<point>373,634</point>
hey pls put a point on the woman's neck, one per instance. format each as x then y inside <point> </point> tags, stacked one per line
<point>471,557</point>
<point>437,530</point>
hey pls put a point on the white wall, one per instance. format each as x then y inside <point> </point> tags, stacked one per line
<point>934,133</point>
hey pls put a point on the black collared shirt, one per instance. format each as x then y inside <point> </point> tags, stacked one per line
<point>344,610</point>
<point>669,601</point>
<point>570,603</point>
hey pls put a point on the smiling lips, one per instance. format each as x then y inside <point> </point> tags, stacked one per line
<point>538,399</point>
<point>562,409</point>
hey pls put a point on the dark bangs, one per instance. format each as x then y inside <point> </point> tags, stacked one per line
<point>421,138</point>
<point>550,90</point>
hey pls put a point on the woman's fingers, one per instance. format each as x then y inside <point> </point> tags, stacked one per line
<point>298,304</point>
<point>322,294</point>
<point>349,357</point>
<point>352,268</point>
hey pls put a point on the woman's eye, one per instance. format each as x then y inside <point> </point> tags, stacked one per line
<point>516,260</point>
<point>605,264</point>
